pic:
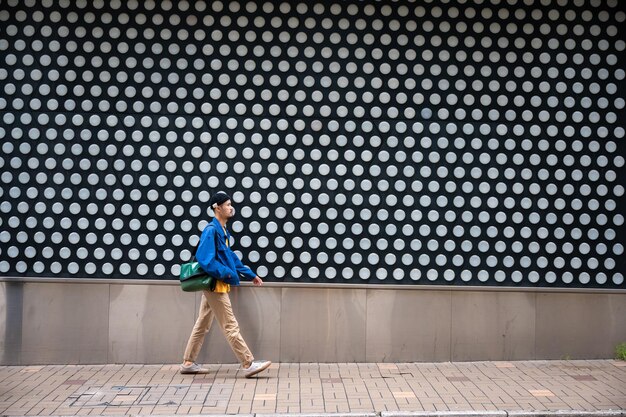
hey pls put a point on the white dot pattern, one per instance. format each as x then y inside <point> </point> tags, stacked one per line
<point>456,142</point>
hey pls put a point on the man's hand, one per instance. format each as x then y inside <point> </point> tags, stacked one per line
<point>257,281</point>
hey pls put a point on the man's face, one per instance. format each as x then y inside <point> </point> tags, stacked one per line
<point>226,209</point>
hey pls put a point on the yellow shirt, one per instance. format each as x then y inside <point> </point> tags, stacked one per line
<point>221,286</point>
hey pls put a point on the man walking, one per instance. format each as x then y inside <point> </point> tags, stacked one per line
<point>216,257</point>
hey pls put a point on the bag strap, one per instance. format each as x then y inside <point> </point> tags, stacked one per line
<point>195,250</point>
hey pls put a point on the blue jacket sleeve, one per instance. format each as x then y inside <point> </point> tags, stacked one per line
<point>242,270</point>
<point>207,256</point>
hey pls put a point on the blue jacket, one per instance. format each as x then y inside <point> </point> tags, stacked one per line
<point>217,259</point>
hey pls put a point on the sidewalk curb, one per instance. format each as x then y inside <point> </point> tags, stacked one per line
<point>561,413</point>
<point>444,414</point>
<point>568,413</point>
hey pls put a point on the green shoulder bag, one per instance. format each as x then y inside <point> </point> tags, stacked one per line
<point>194,278</point>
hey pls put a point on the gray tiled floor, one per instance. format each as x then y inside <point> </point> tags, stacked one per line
<point>314,388</point>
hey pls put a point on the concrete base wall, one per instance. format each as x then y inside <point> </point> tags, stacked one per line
<point>92,322</point>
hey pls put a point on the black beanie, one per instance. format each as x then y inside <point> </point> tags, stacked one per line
<point>218,198</point>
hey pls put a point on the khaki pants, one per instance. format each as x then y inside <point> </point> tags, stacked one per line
<point>217,305</point>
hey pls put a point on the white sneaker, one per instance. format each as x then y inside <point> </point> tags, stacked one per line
<point>256,367</point>
<point>194,368</point>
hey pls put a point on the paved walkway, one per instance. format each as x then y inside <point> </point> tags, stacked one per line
<point>383,389</point>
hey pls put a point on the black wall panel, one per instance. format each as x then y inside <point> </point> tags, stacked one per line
<point>441,142</point>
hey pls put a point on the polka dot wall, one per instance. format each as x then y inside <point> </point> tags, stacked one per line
<point>460,142</point>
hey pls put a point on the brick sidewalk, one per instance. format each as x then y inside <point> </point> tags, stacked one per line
<point>315,388</point>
